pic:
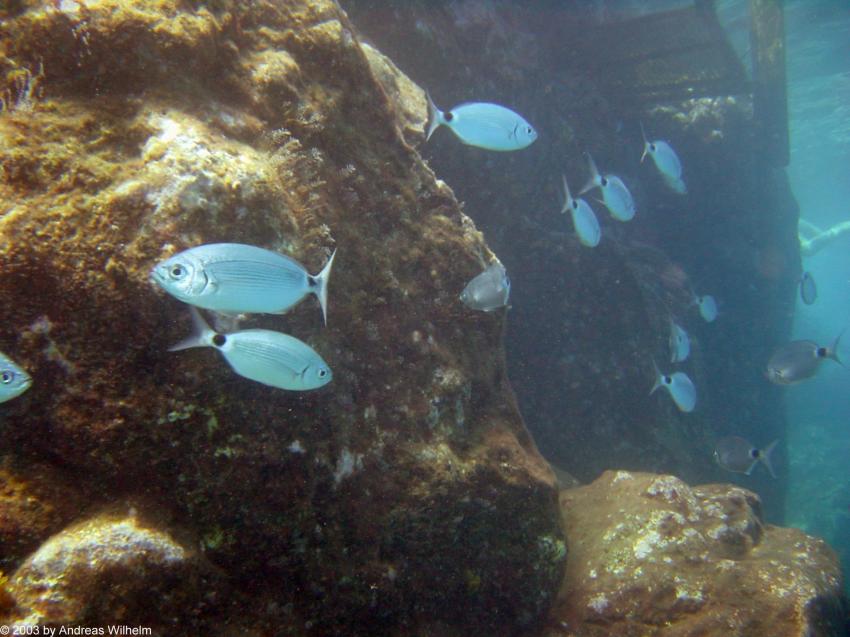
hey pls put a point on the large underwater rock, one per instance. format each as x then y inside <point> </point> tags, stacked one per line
<point>650,555</point>
<point>404,498</point>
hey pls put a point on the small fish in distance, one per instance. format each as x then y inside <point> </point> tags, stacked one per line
<point>14,381</point>
<point>665,160</point>
<point>484,125</point>
<point>615,196</point>
<point>799,360</point>
<point>584,219</point>
<point>707,307</point>
<point>488,291</point>
<point>235,278</point>
<point>738,455</point>
<point>808,289</point>
<point>680,388</point>
<point>680,343</point>
<point>270,358</point>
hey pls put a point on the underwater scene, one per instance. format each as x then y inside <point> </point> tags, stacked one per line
<point>425,318</point>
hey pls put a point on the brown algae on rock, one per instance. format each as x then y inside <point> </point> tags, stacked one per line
<point>160,126</point>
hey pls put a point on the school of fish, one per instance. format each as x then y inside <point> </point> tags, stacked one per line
<point>233,279</point>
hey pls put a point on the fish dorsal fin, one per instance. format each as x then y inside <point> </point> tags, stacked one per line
<point>645,142</point>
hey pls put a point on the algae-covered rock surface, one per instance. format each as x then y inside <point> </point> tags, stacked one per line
<point>405,497</point>
<point>650,555</point>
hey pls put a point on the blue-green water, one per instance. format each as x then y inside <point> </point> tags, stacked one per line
<point>819,413</point>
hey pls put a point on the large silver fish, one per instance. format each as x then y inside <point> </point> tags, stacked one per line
<point>738,455</point>
<point>268,357</point>
<point>234,278</point>
<point>799,360</point>
<point>14,381</point>
<point>484,125</point>
<point>488,291</point>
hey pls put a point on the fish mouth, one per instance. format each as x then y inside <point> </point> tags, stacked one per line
<point>157,275</point>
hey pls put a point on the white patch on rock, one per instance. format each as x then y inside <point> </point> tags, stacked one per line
<point>598,603</point>
<point>622,475</point>
<point>347,464</point>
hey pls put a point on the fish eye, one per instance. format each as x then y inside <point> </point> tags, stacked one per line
<point>7,377</point>
<point>652,147</point>
<point>603,181</point>
<point>219,340</point>
<point>177,271</point>
<point>529,130</point>
<point>322,373</point>
<point>667,380</point>
<point>449,116</point>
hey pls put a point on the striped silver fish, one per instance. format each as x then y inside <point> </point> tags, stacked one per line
<point>235,278</point>
<point>268,357</point>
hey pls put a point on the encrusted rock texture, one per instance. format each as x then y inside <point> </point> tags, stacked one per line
<point>652,556</point>
<point>404,498</point>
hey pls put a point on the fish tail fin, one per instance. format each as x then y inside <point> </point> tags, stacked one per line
<point>321,286</point>
<point>594,175</point>
<point>645,142</point>
<point>764,456</point>
<point>567,196</point>
<point>435,117</point>
<point>832,351</point>
<point>200,336</point>
<point>658,378</point>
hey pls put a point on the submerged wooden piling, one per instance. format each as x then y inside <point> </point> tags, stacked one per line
<point>770,98</point>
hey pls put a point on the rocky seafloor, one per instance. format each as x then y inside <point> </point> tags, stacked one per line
<point>142,487</point>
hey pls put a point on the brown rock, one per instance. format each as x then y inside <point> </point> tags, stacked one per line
<point>103,571</point>
<point>405,494</point>
<point>650,555</point>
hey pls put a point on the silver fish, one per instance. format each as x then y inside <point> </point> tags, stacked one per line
<point>799,360</point>
<point>680,343</point>
<point>584,219</point>
<point>665,160</point>
<point>707,307</point>
<point>268,357</point>
<point>680,388</point>
<point>615,195</point>
<point>738,455</point>
<point>14,381</point>
<point>488,291</point>
<point>233,278</point>
<point>808,289</point>
<point>484,125</point>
